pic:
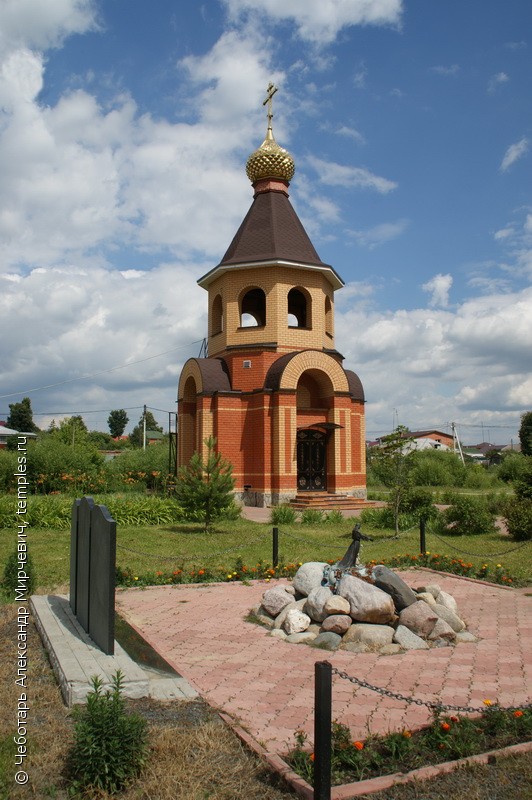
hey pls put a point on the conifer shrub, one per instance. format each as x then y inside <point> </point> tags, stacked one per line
<point>110,746</point>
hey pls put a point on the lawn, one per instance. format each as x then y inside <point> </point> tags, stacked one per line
<point>165,547</point>
<point>194,755</point>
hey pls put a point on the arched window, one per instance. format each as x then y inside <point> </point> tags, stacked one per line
<point>298,309</point>
<point>253,309</point>
<point>328,317</point>
<point>217,319</point>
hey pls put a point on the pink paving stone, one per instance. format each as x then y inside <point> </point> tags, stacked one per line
<point>268,685</point>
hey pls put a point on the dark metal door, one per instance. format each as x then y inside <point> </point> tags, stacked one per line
<point>311,461</point>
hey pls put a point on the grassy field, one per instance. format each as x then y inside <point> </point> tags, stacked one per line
<point>193,754</point>
<point>166,547</point>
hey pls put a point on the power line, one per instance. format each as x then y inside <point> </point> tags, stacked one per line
<point>96,374</point>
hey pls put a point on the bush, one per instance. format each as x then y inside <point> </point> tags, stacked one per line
<point>437,468</point>
<point>110,746</point>
<point>55,466</point>
<point>125,509</point>
<point>283,515</point>
<point>312,516</point>
<point>10,578</point>
<point>467,516</point>
<point>512,466</point>
<point>518,517</point>
<point>8,468</point>
<point>140,469</point>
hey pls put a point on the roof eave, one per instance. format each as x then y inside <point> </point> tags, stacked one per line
<point>325,269</point>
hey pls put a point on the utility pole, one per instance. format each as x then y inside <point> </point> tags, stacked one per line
<point>456,441</point>
<point>144,428</point>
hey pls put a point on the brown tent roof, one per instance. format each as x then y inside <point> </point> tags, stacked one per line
<point>271,230</point>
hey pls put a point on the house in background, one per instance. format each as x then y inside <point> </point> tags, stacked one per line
<point>6,433</point>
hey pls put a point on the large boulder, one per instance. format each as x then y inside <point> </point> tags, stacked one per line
<point>419,618</point>
<point>442,630</point>
<point>274,600</point>
<point>296,621</point>
<point>337,605</point>
<point>447,600</point>
<point>367,603</point>
<point>391,583</point>
<point>327,641</point>
<point>280,618</point>
<point>337,623</point>
<point>308,577</point>
<point>376,635</point>
<point>408,639</point>
<point>316,601</point>
<point>450,617</point>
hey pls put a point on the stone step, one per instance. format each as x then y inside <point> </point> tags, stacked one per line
<point>327,502</point>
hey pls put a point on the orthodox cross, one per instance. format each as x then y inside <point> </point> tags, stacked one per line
<point>271,91</point>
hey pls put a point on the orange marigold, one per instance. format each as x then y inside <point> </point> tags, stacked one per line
<point>358,745</point>
<point>445,726</point>
<point>518,713</point>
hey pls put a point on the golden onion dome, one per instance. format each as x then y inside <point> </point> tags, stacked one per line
<point>270,161</point>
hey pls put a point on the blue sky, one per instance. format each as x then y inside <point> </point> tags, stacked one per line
<point>124,131</point>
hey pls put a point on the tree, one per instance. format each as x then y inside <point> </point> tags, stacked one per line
<point>525,433</point>
<point>136,435</point>
<point>21,417</point>
<point>392,464</point>
<point>205,486</point>
<point>72,431</point>
<point>117,421</point>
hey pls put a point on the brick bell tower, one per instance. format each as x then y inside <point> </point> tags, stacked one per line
<point>273,391</point>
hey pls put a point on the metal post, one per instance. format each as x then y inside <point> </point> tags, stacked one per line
<point>275,556</point>
<point>422,542</point>
<point>322,729</point>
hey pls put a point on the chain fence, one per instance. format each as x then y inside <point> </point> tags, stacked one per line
<point>433,704</point>
<point>479,555</point>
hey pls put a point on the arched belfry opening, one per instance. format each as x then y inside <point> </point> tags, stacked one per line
<point>273,390</point>
<point>253,308</point>
<point>299,308</point>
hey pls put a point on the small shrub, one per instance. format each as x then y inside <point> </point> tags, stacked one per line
<point>312,516</point>
<point>334,517</point>
<point>467,516</point>
<point>518,517</point>
<point>10,578</point>
<point>110,746</point>
<point>283,515</point>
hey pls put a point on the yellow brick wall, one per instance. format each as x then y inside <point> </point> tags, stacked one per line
<point>276,281</point>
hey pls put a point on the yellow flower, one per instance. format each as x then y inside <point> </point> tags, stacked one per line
<point>499,566</point>
<point>135,578</point>
<point>229,575</point>
<point>487,702</point>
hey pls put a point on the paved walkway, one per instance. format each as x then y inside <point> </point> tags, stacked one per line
<point>268,685</point>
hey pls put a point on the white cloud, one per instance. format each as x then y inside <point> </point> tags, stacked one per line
<point>514,153</point>
<point>435,365</point>
<point>497,80</point>
<point>439,287</point>
<point>379,234</point>
<point>447,72</point>
<point>38,25</point>
<point>318,21</point>
<point>334,174</point>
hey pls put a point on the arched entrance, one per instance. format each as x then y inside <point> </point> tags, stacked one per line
<point>311,461</point>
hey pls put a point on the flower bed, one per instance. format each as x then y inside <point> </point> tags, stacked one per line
<point>447,738</point>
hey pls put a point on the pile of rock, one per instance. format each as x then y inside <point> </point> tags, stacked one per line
<point>365,610</point>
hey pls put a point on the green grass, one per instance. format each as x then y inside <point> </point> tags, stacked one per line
<point>164,547</point>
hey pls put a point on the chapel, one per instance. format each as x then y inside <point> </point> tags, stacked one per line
<point>273,390</point>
